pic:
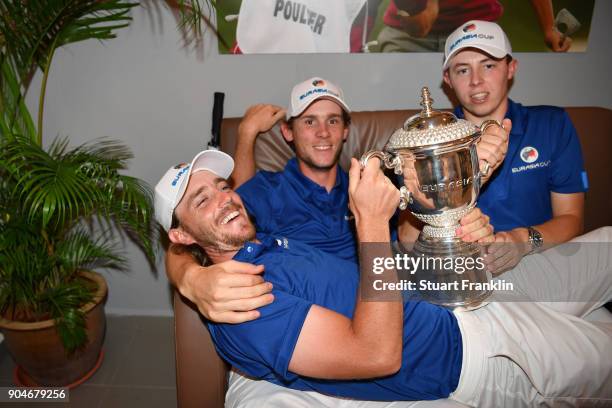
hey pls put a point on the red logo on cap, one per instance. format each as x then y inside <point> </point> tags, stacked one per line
<point>318,82</point>
<point>469,27</point>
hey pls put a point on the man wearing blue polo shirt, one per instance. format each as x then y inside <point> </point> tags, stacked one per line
<point>537,194</point>
<point>320,335</point>
<point>309,197</point>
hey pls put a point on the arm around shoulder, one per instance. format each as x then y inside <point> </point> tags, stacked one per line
<point>228,292</point>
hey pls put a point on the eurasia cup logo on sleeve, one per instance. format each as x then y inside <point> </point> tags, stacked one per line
<point>529,154</point>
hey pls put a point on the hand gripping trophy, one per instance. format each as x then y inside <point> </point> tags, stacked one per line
<point>434,155</point>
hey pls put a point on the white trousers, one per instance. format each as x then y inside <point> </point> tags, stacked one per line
<point>514,354</point>
<point>543,353</point>
<point>245,392</point>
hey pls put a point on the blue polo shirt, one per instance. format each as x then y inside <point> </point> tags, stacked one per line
<point>544,156</point>
<point>302,276</point>
<point>287,203</point>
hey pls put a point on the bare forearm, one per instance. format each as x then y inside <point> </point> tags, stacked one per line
<point>544,12</point>
<point>377,327</point>
<point>369,345</point>
<point>257,119</point>
<point>244,156</point>
<point>567,221</point>
<point>178,258</point>
<point>378,319</point>
<point>229,292</point>
<point>560,229</point>
<point>377,323</point>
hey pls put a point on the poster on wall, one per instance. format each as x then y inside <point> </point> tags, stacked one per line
<point>343,26</point>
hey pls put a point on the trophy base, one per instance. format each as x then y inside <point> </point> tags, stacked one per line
<point>467,305</point>
<point>452,272</point>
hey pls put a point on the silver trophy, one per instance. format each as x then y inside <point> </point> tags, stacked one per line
<point>434,156</point>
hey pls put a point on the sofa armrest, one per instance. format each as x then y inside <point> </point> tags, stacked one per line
<point>201,375</point>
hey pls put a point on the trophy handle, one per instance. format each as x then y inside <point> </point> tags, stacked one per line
<point>484,172</point>
<point>405,198</point>
<point>390,161</point>
<point>387,160</point>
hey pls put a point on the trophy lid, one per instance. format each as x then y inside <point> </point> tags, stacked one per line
<point>430,127</point>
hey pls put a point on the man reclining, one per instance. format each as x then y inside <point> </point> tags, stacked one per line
<point>319,334</point>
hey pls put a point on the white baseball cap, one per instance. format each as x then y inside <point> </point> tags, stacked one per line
<point>484,35</point>
<point>170,189</point>
<point>305,93</point>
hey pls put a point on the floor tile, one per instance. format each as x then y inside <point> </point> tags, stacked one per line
<point>87,396</point>
<point>138,368</point>
<point>151,356</point>
<point>6,363</point>
<point>135,397</point>
<point>120,333</point>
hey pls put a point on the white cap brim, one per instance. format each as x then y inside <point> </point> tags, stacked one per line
<point>303,107</point>
<point>495,52</point>
<point>167,199</point>
<point>214,161</point>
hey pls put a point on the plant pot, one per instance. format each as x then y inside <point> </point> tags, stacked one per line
<point>38,351</point>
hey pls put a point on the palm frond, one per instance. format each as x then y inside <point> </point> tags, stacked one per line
<point>25,269</point>
<point>60,187</point>
<point>71,326</point>
<point>52,191</point>
<point>32,30</point>
<point>15,118</point>
<point>132,208</point>
<point>79,251</point>
<point>64,302</point>
<point>194,19</point>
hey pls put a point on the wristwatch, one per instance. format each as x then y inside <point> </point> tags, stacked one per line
<point>535,239</point>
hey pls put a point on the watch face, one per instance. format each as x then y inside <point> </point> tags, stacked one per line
<point>535,238</point>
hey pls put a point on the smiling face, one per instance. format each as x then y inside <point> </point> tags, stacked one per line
<point>480,83</point>
<point>211,215</point>
<point>318,134</point>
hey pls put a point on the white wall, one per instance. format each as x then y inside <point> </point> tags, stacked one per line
<point>143,89</point>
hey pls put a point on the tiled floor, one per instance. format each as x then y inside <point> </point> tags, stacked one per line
<point>137,371</point>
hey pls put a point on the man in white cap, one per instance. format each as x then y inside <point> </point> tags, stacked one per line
<point>537,195</point>
<point>308,200</point>
<point>326,332</point>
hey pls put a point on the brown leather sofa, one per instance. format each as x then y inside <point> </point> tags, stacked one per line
<point>202,376</point>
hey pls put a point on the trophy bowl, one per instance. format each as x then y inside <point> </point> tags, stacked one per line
<point>434,156</point>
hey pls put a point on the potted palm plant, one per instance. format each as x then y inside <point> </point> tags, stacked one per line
<point>61,207</point>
